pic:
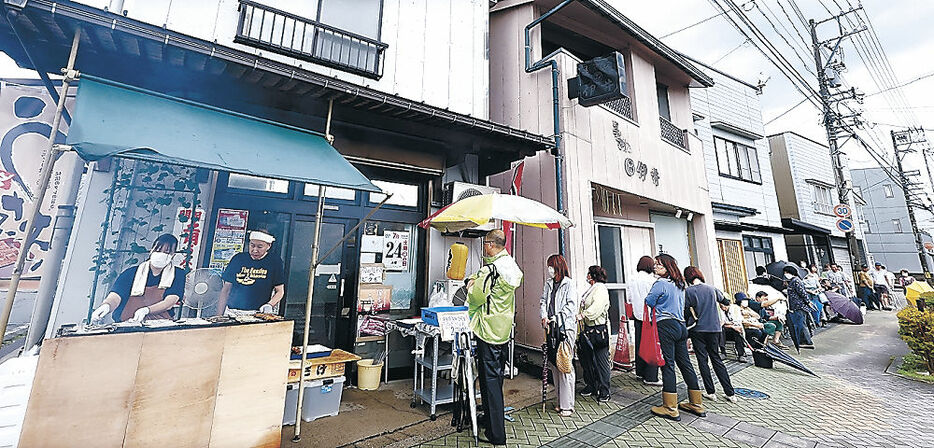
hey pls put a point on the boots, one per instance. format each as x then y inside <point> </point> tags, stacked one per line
<point>669,407</point>
<point>694,404</point>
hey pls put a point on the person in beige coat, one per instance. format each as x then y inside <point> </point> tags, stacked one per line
<point>593,342</point>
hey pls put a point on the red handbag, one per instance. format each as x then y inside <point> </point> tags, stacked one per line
<point>629,313</point>
<point>650,350</point>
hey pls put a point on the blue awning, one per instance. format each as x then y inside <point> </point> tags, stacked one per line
<point>111,119</point>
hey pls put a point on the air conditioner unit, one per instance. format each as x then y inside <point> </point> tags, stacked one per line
<point>455,191</point>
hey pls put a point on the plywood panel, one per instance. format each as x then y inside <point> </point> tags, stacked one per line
<point>175,386</point>
<point>248,411</point>
<point>82,392</point>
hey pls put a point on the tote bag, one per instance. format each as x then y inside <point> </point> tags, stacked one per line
<point>650,350</point>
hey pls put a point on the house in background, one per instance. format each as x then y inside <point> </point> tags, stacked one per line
<point>728,120</point>
<point>807,194</point>
<point>886,224</point>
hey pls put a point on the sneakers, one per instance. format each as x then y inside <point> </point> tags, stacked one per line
<point>731,398</point>
<point>808,346</point>
<point>653,383</point>
<point>711,397</point>
<point>586,392</point>
<point>605,399</point>
<point>742,359</point>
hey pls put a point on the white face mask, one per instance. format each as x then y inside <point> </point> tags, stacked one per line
<point>160,259</point>
<point>745,303</point>
<point>551,272</point>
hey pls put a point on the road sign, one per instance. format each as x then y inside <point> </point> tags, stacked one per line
<point>842,210</point>
<point>845,225</point>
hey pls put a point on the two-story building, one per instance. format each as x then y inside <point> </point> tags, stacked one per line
<point>402,87</point>
<point>629,173</point>
<point>889,236</point>
<point>807,193</point>
<point>749,232</point>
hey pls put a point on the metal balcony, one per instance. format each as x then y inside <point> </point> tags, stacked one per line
<point>281,32</point>
<point>673,134</point>
<point>622,106</point>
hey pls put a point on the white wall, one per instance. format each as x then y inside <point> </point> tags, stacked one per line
<point>436,54</point>
<point>810,160</point>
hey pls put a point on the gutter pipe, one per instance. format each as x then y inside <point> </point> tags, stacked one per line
<point>530,68</point>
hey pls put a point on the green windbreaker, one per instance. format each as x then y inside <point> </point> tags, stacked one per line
<point>491,301</point>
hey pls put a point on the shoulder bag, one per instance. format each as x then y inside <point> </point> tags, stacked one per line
<point>650,350</point>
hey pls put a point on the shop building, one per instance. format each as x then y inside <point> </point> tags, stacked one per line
<point>401,87</point>
<point>807,194</point>
<point>885,222</point>
<point>631,171</point>
<point>749,232</point>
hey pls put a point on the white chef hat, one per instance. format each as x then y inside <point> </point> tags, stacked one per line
<point>262,236</point>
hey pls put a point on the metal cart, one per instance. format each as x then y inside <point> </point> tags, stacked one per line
<point>429,357</point>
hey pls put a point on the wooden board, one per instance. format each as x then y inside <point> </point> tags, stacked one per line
<point>82,392</point>
<point>250,400</point>
<point>175,386</point>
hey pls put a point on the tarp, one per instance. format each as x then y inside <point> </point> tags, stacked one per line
<point>111,119</point>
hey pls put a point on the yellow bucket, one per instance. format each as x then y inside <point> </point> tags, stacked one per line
<point>368,374</point>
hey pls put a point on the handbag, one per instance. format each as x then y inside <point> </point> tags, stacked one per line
<point>565,357</point>
<point>553,339</point>
<point>560,352</point>
<point>597,336</point>
<point>650,350</point>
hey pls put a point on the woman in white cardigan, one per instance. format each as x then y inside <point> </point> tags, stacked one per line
<point>594,341</point>
<point>559,306</point>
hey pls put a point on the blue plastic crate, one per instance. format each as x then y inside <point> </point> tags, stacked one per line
<point>430,315</point>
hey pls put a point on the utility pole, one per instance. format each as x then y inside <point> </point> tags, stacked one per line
<point>836,124</point>
<point>902,142</point>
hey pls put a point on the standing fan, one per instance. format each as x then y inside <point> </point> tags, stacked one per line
<point>202,289</point>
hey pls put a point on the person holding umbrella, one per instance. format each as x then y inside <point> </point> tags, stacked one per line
<point>798,306</point>
<point>666,300</point>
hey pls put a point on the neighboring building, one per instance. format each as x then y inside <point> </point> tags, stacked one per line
<point>633,175</point>
<point>409,86</point>
<point>728,119</point>
<point>807,194</point>
<point>885,220</point>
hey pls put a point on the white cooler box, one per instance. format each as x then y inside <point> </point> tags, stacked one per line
<point>322,399</point>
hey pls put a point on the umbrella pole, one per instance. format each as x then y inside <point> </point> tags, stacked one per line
<point>48,163</point>
<point>311,293</point>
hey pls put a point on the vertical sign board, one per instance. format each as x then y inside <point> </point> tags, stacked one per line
<point>188,232</point>
<point>229,235</point>
<point>26,113</point>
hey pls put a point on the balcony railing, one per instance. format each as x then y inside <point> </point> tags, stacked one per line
<point>823,208</point>
<point>622,106</point>
<point>285,33</point>
<point>673,134</point>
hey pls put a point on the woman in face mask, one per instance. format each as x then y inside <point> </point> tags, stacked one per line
<point>559,306</point>
<point>146,291</point>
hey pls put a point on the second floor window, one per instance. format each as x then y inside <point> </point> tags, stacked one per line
<point>887,189</point>
<point>823,199</point>
<point>737,160</point>
<point>897,225</point>
<point>664,108</point>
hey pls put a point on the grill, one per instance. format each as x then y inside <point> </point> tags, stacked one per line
<point>673,134</point>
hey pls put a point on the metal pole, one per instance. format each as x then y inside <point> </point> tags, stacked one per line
<point>903,180</point>
<point>48,163</point>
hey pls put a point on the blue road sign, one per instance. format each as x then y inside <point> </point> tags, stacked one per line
<point>845,225</point>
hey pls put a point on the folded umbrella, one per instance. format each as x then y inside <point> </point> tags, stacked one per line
<point>784,358</point>
<point>481,209</point>
<point>845,307</point>
<point>776,268</point>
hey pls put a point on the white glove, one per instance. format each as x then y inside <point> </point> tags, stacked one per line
<point>100,312</point>
<point>266,308</point>
<point>140,314</point>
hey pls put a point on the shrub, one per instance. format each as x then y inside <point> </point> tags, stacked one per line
<point>917,329</point>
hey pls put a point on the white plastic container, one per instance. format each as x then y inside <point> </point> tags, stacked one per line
<point>322,399</point>
<point>16,376</point>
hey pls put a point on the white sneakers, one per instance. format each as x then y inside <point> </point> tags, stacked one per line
<point>711,397</point>
<point>731,398</point>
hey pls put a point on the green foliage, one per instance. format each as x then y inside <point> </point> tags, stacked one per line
<point>917,330</point>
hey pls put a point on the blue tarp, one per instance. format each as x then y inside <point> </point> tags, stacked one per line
<point>116,120</point>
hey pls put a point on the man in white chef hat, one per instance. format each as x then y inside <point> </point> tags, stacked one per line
<point>253,280</point>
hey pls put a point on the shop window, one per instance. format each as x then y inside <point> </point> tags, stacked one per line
<point>256,183</point>
<point>393,247</point>
<point>403,195</point>
<point>737,161</point>
<point>343,194</point>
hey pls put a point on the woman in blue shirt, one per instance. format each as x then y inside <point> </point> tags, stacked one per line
<point>666,301</point>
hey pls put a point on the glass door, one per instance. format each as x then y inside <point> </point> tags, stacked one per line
<point>620,248</point>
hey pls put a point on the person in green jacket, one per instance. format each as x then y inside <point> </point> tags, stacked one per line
<point>491,302</point>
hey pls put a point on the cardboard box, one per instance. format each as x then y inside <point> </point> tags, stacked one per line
<point>324,367</point>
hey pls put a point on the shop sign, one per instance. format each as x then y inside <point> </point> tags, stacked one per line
<point>229,234</point>
<point>641,170</point>
<point>188,232</point>
<point>621,143</point>
<point>396,250</point>
<point>607,202</point>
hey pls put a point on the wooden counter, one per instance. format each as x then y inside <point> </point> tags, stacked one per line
<point>214,386</point>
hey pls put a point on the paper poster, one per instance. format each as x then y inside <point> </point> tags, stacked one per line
<point>189,235</point>
<point>371,274</point>
<point>374,298</point>
<point>371,243</point>
<point>396,250</point>
<point>229,235</point>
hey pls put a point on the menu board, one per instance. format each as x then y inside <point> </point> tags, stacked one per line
<point>229,235</point>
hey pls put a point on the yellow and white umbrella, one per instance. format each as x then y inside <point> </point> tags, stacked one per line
<point>916,290</point>
<point>479,210</point>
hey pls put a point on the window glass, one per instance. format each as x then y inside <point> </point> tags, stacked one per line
<point>753,154</point>
<point>745,172</point>
<point>897,224</point>
<point>888,191</point>
<point>724,161</point>
<point>664,110</point>
<point>257,183</point>
<point>611,253</point>
<point>405,195</point>
<point>331,192</point>
<point>400,271</point>
<point>357,16</point>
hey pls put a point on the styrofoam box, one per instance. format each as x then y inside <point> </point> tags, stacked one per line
<point>16,376</point>
<point>322,399</point>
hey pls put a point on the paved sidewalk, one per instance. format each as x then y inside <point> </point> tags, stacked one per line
<point>853,403</point>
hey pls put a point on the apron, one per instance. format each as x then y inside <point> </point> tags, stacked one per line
<point>151,296</point>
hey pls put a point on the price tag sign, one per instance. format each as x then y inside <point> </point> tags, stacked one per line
<point>396,250</point>
<point>453,322</point>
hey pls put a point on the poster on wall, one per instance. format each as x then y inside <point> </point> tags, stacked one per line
<point>188,232</point>
<point>26,113</point>
<point>229,234</point>
<point>396,250</point>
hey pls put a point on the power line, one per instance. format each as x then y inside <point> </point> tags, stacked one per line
<point>741,45</point>
<point>920,78</point>
<point>786,111</point>
<point>702,21</point>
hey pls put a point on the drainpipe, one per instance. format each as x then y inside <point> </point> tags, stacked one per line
<point>529,68</point>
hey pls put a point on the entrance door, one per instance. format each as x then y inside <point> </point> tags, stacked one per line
<point>328,282</point>
<point>620,248</point>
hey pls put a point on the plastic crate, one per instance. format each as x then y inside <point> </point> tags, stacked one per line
<point>322,399</point>
<point>430,315</point>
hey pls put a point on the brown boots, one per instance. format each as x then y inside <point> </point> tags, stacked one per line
<point>669,407</point>
<point>694,404</point>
